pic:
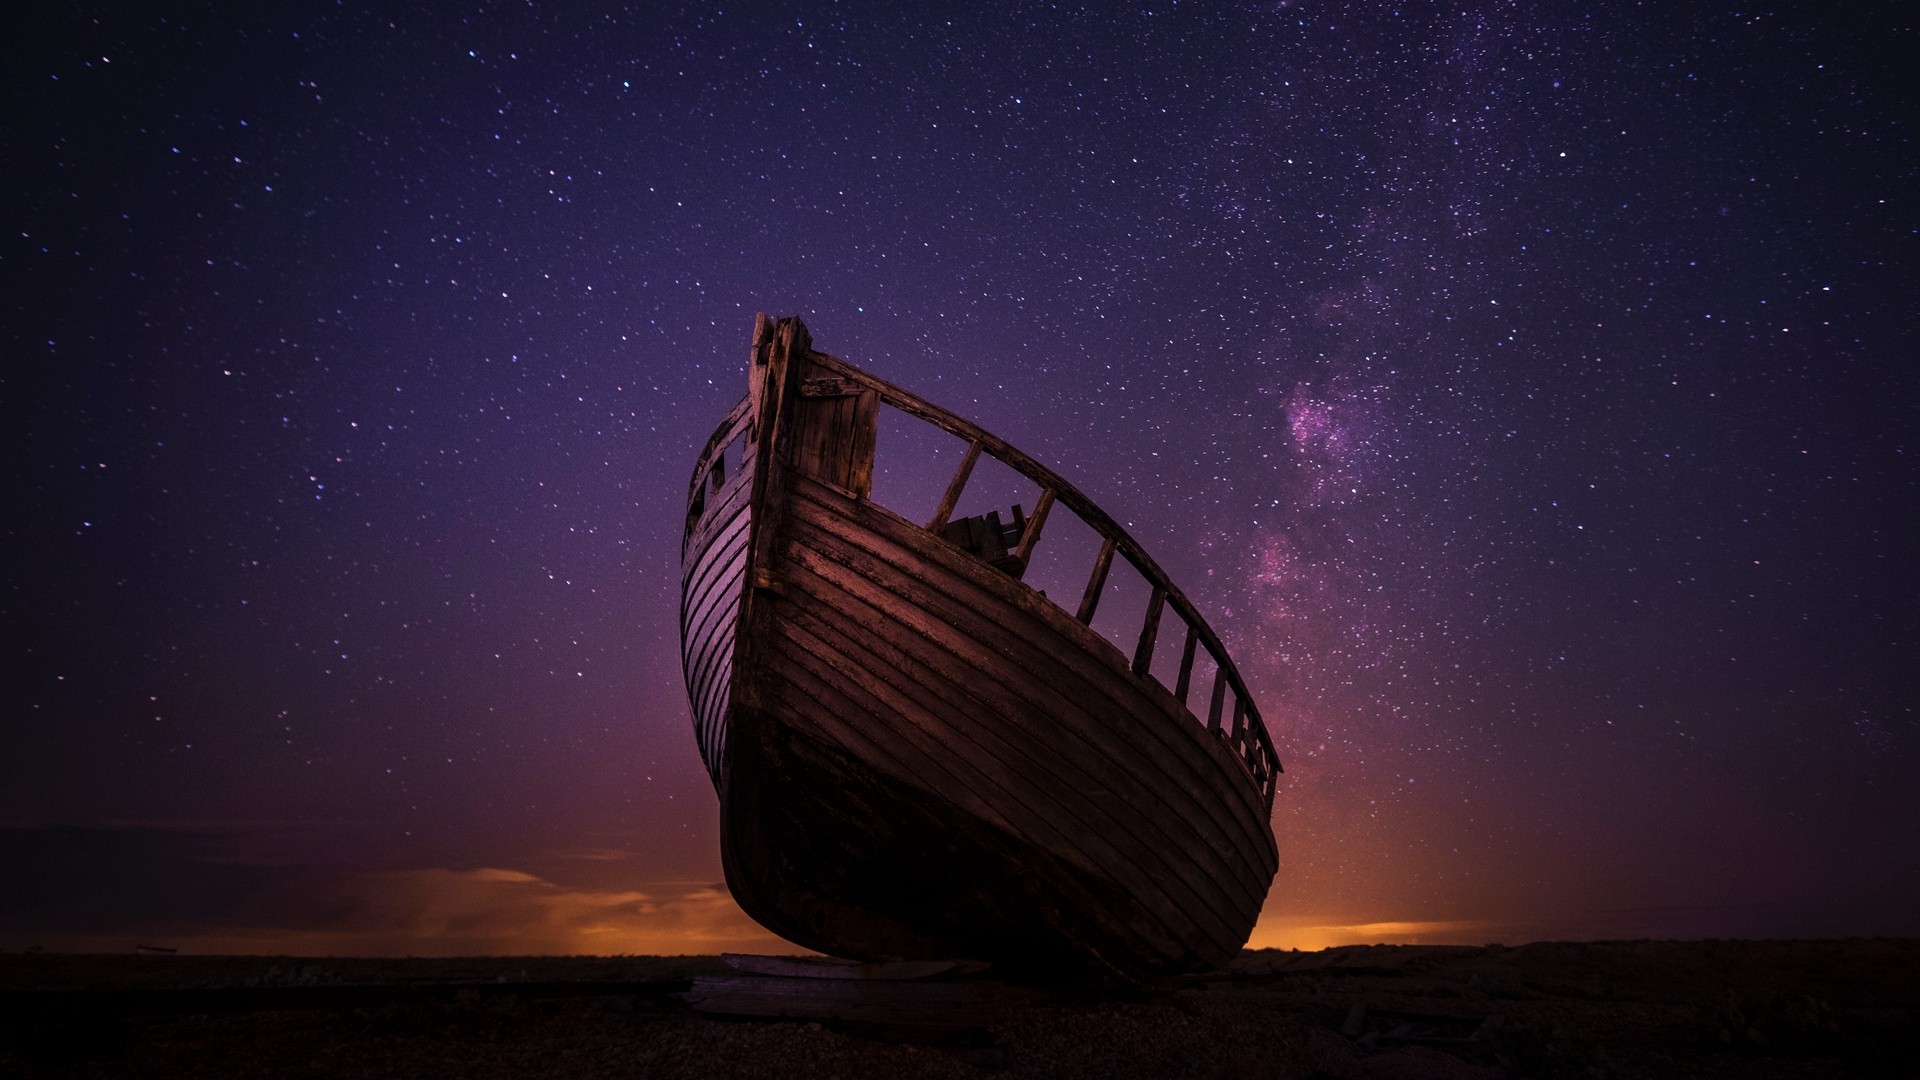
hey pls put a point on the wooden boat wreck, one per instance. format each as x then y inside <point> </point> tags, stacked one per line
<point>919,756</point>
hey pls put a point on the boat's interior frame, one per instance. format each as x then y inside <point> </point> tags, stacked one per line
<point>1230,710</point>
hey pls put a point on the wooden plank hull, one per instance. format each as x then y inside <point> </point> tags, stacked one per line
<point>713,577</point>
<point>919,757</point>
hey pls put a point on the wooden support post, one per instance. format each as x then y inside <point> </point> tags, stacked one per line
<point>1186,664</point>
<point>1096,583</point>
<point>1149,630</point>
<point>1240,719</point>
<point>1219,696</point>
<point>955,487</point>
<point>1031,535</point>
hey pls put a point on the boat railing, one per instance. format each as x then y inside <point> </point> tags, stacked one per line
<point>1231,713</point>
<point>710,472</point>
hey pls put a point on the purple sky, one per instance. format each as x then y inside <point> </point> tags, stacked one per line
<point>1526,393</point>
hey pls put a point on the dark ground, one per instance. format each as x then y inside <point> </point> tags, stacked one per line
<point>1619,1009</point>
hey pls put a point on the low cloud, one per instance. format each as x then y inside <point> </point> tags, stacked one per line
<point>1309,934</point>
<point>108,889</point>
<point>438,911</point>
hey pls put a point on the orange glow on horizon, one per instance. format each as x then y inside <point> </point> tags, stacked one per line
<point>488,911</point>
<point>1309,934</point>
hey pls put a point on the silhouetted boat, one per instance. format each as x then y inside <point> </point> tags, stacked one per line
<point>918,756</point>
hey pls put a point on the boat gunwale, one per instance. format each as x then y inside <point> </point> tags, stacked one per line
<point>1049,618</point>
<point>1260,742</point>
<point>724,434</point>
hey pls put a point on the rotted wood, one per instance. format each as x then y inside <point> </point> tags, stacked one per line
<point>830,386</point>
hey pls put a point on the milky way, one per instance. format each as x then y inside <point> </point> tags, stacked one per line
<point>1524,392</point>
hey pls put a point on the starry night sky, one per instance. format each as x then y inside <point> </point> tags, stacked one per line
<point>1525,392</point>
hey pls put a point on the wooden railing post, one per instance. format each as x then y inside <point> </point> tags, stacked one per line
<point>1246,730</point>
<point>1096,583</point>
<point>1031,535</point>
<point>954,487</point>
<point>1186,664</point>
<point>1149,629</point>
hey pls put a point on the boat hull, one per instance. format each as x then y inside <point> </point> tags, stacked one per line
<point>920,757</point>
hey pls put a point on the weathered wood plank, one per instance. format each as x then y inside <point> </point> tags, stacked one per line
<point>1097,583</point>
<point>955,486</point>
<point>711,558</point>
<point>828,706</point>
<point>968,589</point>
<point>824,366</point>
<point>1084,507</point>
<point>1100,795</point>
<point>899,543</point>
<point>866,431</point>
<point>715,563</point>
<point>719,594</point>
<point>1031,535</point>
<point>1039,660</point>
<point>985,590</point>
<point>976,750</point>
<point>1149,629</point>
<point>1186,666</point>
<point>830,386</point>
<point>888,641</point>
